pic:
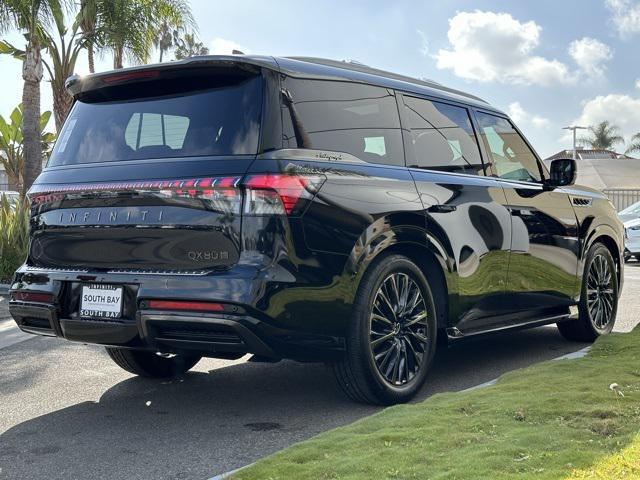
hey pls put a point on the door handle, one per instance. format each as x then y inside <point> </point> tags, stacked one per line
<point>442,208</point>
<point>522,212</point>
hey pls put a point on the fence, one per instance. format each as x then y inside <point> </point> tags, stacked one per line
<point>622,197</point>
<point>4,186</point>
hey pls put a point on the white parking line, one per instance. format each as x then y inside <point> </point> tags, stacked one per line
<point>10,334</point>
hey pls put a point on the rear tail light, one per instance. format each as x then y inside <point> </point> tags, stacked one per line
<point>221,192</point>
<point>279,194</point>
<point>37,297</point>
<point>186,306</point>
<point>265,194</point>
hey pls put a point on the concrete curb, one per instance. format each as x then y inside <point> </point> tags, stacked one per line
<point>225,475</point>
<point>569,356</point>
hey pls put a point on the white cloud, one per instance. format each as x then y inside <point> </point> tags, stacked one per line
<point>488,46</point>
<point>521,116</point>
<point>495,47</point>
<point>424,49</point>
<point>638,83</point>
<point>621,110</point>
<point>625,15</point>
<point>590,55</point>
<point>222,46</point>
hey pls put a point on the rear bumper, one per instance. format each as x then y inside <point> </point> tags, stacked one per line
<point>240,329</point>
<point>172,332</point>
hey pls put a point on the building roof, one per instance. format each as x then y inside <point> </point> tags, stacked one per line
<point>604,169</point>
<point>588,154</point>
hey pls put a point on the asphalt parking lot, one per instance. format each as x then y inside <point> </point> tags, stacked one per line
<point>67,412</point>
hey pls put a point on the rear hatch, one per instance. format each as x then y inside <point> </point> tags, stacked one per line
<point>145,173</point>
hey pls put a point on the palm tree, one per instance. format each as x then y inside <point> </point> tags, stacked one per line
<point>87,20</point>
<point>165,38</point>
<point>188,46</point>
<point>12,145</point>
<point>604,136</point>
<point>60,63</point>
<point>634,145</point>
<point>128,28</point>
<point>30,17</point>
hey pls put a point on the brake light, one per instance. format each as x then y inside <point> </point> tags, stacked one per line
<point>124,77</point>
<point>185,305</point>
<point>275,193</point>
<point>38,297</point>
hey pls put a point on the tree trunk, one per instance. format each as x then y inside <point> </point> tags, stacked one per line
<point>92,67</point>
<point>161,52</point>
<point>13,184</point>
<point>31,74</point>
<point>117,57</point>
<point>61,104</point>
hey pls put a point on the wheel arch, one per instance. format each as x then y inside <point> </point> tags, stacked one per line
<point>413,244</point>
<point>609,242</point>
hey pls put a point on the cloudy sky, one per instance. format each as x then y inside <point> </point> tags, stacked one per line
<point>547,63</point>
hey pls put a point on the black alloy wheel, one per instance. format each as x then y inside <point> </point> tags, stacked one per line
<point>598,303</point>
<point>399,329</point>
<point>392,335</point>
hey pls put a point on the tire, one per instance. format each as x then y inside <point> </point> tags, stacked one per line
<point>598,298</point>
<point>407,341</point>
<point>149,364</point>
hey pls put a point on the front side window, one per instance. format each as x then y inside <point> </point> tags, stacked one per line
<point>511,157</point>
<point>215,121</point>
<point>442,137</point>
<point>358,119</point>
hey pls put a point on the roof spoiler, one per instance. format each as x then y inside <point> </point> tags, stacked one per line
<point>78,84</point>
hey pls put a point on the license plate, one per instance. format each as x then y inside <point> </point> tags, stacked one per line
<point>101,301</point>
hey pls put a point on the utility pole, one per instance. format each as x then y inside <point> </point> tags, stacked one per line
<point>574,128</point>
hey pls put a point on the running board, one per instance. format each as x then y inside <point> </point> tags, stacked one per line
<point>454,334</point>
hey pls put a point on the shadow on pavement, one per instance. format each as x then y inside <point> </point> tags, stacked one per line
<point>207,423</point>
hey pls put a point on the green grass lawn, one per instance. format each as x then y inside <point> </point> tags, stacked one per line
<point>555,420</point>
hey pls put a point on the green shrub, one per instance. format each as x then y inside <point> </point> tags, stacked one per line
<point>14,236</point>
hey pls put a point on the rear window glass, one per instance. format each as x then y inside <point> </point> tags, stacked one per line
<point>219,121</point>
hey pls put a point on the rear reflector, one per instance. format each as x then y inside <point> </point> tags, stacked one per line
<point>275,193</point>
<point>38,297</point>
<point>185,306</point>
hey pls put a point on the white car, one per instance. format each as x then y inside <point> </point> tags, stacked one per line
<point>632,239</point>
<point>632,212</point>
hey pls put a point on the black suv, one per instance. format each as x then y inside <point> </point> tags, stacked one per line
<point>307,209</point>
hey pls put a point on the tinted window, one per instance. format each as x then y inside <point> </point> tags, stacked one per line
<point>219,121</point>
<point>442,136</point>
<point>511,157</point>
<point>345,117</point>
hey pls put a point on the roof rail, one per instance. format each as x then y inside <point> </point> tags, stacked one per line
<point>362,68</point>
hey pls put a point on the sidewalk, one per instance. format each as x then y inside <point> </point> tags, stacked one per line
<point>4,307</point>
<point>9,331</point>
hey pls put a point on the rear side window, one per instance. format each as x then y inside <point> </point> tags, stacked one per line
<point>442,137</point>
<point>344,117</point>
<point>217,121</point>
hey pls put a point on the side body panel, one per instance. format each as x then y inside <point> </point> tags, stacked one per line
<point>545,247</point>
<point>466,217</point>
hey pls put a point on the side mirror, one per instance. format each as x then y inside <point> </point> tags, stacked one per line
<point>563,172</point>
